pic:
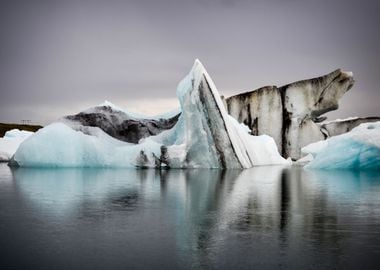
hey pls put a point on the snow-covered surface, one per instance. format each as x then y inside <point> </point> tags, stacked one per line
<point>16,133</point>
<point>135,115</point>
<point>205,136</point>
<point>11,141</point>
<point>262,149</point>
<point>341,126</point>
<point>314,148</point>
<point>340,120</point>
<point>357,149</point>
<point>261,109</point>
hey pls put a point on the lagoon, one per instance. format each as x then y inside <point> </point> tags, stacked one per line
<point>266,217</point>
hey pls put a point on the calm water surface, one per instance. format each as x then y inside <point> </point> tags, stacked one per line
<point>262,218</point>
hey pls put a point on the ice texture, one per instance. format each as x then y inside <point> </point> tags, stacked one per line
<point>16,133</point>
<point>211,135</point>
<point>291,113</point>
<point>11,141</point>
<point>119,123</point>
<point>205,136</point>
<point>134,115</point>
<point>340,126</point>
<point>357,149</point>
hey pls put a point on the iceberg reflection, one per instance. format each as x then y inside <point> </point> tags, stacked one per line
<point>214,218</point>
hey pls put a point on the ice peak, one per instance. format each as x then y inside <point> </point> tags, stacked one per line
<point>107,103</point>
<point>198,67</point>
<point>197,62</point>
<point>348,73</point>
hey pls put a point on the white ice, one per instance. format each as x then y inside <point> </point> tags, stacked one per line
<point>203,135</point>
<point>11,141</point>
<point>357,149</point>
<point>135,115</point>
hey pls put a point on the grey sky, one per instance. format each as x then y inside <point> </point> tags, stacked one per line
<point>59,57</point>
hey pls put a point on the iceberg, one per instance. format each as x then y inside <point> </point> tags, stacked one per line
<point>291,113</point>
<point>340,126</point>
<point>201,135</point>
<point>121,124</point>
<point>357,149</point>
<point>10,142</point>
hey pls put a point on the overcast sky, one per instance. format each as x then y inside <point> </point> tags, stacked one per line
<point>59,57</point>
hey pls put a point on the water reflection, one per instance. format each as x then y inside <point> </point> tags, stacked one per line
<point>264,217</point>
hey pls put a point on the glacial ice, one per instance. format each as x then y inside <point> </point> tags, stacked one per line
<point>121,124</point>
<point>357,149</point>
<point>11,141</point>
<point>340,126</point>
<point>205,136</point>
<point>134,115</point>
<point>291,113</point>
<point>16,133</point>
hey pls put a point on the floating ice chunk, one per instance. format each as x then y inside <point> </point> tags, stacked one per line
<point>58,145</point>
<point>357,149</point>
<point>11,141</point>
<point>16,133</point>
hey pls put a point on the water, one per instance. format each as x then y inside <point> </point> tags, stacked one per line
<point>262,218</point>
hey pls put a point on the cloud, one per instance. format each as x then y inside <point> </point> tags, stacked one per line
<point>60,55</point>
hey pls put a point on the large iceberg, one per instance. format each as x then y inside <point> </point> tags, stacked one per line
<point>357,149</point>
<point>10,142</point>
<point>204,135</point>
<point>291,113</point>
